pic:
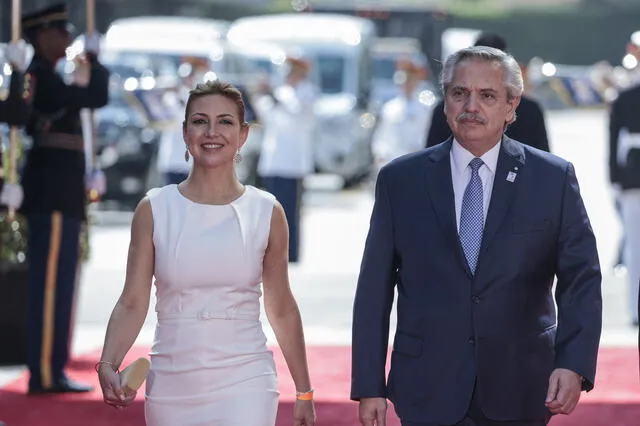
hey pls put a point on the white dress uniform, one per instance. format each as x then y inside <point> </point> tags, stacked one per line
<point>289,124</point>
<point>402,128</point>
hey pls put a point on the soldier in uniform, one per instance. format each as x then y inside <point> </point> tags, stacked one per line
<point>14,111</point>
<point>54,191</point>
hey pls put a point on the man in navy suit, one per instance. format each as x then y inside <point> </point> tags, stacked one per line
<point>472,233</point>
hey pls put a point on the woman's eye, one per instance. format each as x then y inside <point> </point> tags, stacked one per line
<point>199,121</point>
<point>226,122</point>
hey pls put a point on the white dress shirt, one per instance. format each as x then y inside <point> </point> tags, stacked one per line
<point>461,174</point>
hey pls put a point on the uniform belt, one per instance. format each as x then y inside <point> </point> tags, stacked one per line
<point>60,141</point>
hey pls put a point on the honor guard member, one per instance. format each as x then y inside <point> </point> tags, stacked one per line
<point>405,119</point>
<point>54,191</point>
<point>14,110</point>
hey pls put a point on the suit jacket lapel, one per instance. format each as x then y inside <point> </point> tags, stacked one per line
<point>506,182</point>
<point>440,186</point>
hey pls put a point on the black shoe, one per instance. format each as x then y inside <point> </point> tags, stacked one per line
<point>62,386</point>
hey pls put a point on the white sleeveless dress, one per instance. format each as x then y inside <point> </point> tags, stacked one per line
<point>209,361</point>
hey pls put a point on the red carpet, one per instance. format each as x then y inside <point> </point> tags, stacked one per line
<point>615,402</point>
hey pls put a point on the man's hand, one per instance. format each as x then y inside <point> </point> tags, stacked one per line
<point>82,71</point>
<point>96,181</point>
<point>373,412</point>
<point>564,391</point>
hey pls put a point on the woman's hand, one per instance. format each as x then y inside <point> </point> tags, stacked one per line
<point>112,391</point>
<point>304,413</point>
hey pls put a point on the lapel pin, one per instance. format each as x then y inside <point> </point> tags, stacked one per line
<point>511,177</point>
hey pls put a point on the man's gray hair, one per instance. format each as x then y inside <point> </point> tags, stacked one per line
<point>512,73</point>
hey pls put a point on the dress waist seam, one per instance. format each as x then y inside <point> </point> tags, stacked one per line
<point>210,315</point>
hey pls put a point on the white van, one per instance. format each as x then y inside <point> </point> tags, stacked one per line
<point>339,48</point>
<point>158,45</point>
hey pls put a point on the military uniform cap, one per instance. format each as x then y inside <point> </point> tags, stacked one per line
<point>56,16</point>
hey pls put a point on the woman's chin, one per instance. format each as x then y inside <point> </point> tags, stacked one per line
<point>214,162</point>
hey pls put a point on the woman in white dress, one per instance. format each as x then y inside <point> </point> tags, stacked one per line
<point>209,242</point>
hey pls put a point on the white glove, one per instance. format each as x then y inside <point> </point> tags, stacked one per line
<point>12,195</point>
<point>96,181</point>
<point>92,43</point>
<point>16,55</point>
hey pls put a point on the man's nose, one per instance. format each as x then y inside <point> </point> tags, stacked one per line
<point>473,102</point>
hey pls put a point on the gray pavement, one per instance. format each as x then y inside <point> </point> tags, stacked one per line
<point>334,228</point>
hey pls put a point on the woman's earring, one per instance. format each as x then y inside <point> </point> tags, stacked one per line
<point>238,157</point>
<point>186,155</point>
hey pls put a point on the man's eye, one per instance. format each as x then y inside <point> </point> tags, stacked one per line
<point>489,96</point>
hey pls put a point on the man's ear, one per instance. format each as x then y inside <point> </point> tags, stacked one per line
<point>512,105</point>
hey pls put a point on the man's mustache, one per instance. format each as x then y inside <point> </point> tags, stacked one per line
<point>471,116</point>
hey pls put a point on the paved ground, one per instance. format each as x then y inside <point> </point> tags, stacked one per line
<point>334,227</point>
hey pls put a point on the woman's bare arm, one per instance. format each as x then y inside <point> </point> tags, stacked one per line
<point>131,309</point>
<point>280,305</point>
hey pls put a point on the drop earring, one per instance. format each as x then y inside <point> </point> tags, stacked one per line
<point>186,155</point>
<point>238,157</point>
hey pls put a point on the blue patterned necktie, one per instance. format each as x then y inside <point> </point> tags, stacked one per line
<point>472,216</point>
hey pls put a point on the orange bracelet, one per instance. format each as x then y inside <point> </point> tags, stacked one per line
<point>305,396</point>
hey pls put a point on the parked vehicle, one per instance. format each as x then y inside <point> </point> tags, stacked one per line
<point>341,68</point>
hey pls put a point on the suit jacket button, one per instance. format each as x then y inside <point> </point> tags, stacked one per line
<point>472,341</point>
<point>475,299</point>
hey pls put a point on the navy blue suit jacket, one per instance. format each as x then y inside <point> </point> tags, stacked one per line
<point>498,326</point>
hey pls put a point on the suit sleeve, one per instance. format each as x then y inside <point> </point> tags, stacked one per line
<point>439,129</point>
<point>373,301</point>
<point>578,290</point>
<point>615,125</point>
